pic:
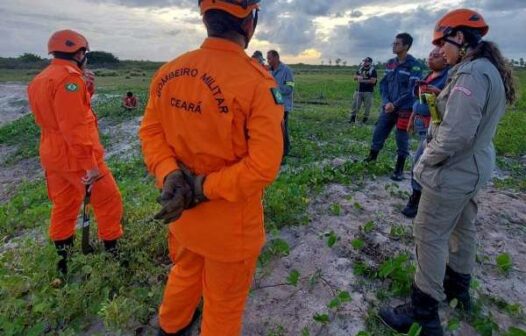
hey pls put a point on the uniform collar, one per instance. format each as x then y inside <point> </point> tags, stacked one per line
<point>222,44</point>
<point>58,61</point>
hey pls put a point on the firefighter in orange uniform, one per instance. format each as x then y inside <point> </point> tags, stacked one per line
<point>70,149</point>
<point>212,137</point>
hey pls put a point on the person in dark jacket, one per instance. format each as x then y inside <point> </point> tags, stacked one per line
<point>426,91</point>
<point>401,75</point>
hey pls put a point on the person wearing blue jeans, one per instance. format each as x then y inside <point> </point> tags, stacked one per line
<point>401,75</point>
<point>419,121</point>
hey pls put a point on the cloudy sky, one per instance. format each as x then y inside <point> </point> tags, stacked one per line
<point>309,31</point>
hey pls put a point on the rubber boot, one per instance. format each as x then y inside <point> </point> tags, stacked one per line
<point>456,286</point>
<point>411,208</point>
<point>111,247</point>
<point>352,120</point>
<point>373,154</point>
<point>186,330</point>
<point>64,251</point>
<point>398,174</point>
<point>422,309</point>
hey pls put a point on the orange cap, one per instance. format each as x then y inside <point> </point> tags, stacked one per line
<point>67,41</point>
<point>238,8</point>
<point>456,19</point>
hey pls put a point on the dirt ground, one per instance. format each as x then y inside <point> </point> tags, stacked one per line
<point>287,310</point>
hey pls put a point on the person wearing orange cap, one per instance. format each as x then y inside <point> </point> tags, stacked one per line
<point>70,150</point>
<point>212,136</point>
<point>458,160</point>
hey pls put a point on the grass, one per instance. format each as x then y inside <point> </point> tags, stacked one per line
<point>125,298</point>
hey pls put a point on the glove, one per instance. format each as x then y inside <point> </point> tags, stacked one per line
<point>196,184</point>
<point>176,196</point>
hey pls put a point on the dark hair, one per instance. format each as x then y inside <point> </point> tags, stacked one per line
<point>222,24</point>
<point>490,51</point>
<point>129,93</point>
<point>407,39</point>
<point>274,53</point>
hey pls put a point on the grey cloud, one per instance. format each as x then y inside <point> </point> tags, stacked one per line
<point>356,14</point>
<point>493,5</point>
<point>373,36</point>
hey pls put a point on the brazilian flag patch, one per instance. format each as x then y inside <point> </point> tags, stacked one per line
<point>72,87</point>
<point>416,68</point>
<point>278,98</point>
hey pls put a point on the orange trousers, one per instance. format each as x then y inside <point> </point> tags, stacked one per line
<point>223,286</point>
<point>66,193</point>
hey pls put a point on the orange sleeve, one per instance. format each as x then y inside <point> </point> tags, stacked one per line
<point>159,157</point>
<point>74,116</point>
<point>265,150</point>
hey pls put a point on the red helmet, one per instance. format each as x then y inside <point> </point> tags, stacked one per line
<point>459,18</point>
<point>66,41</point>
<point>238,8</point>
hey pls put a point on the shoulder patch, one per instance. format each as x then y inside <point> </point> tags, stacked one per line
<point>71,87</point>
<point>278,98</point>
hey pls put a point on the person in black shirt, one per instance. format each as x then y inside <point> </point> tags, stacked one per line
<point>366,77</point>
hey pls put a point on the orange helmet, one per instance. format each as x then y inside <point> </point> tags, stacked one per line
<point>459,18</point>
<point>66,41</point>
<point>238,8</point>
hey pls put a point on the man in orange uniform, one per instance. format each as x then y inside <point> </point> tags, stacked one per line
<point>70,149</point>
<point>212,136</point>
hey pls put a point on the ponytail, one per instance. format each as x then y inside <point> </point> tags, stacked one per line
<point>490,51</point>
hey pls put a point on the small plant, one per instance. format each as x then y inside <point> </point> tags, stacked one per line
<point>415,330</point>
<point>513,331</point>
<point>453,324</point>
<point>504,262</point>
<point>321,318</point>
<point>335,209</point>
<point>369,226</point>
<point>293,278</point>
<point>398,231</point>
<point>400,270</point>
<point>357,244</point>
<point>332,238</point>
<point>339,300</point>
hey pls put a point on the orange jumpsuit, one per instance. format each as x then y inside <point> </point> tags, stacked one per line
<point>69,146</point>
<point>220,113</point>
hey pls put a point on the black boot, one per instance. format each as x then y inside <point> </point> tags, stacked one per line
<point>398,174</point>
<point>364,120</point>
<point>352,120</point>
<point>64,251</point>
<point>411,208</point>
<point>373,154</point>
<point>422,309</point>
<point>456,286</point>
<point>186,330</point>
<point>111,247</point>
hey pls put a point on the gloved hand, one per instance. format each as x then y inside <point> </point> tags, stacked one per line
<point>196,183</point>
<point>176,196</point>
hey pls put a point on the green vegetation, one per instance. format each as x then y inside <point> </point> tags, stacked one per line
<point>125,297</point>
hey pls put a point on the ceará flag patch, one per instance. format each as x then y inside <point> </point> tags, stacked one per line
<point>72,87</point>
